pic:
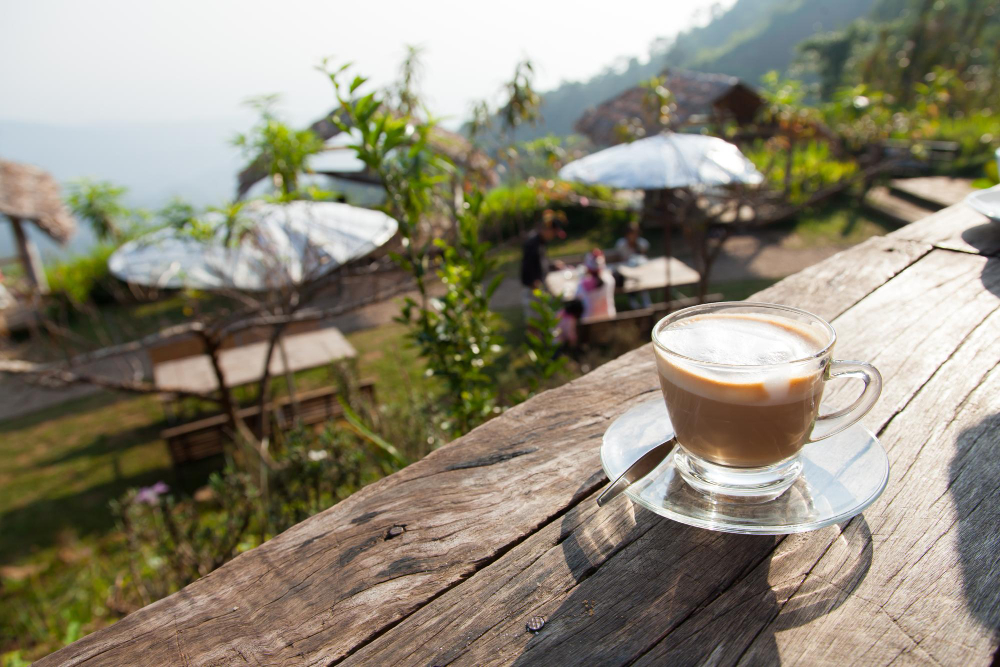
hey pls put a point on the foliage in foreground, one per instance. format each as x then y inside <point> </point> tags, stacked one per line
<point>166,537</point>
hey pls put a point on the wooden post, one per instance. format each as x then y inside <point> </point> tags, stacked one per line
<point>30,259</point>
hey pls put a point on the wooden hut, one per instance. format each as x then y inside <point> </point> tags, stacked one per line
<point>699,99</point>
<point>30,194</point>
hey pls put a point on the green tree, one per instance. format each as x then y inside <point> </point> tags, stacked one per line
<point>283,150</point>
<point>904,42</point>
<point>523,104</point>
<point>455,333</point>
<point>406,92</point>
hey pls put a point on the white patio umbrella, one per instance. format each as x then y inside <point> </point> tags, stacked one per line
<point>282,244</point>
<point>665,161</point>
<point>668,160</point>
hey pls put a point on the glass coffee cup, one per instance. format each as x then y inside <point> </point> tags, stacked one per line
<point>743,383</point>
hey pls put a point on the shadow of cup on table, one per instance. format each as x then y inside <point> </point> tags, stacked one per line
<point>973,482</point>
<point>684,595</point>
<point>985,238</point>
<point>990,275</point>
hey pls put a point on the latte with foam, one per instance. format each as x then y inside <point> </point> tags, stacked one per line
<point>742,389</point>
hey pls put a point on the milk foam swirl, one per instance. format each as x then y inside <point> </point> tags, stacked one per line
<point>740,339</point>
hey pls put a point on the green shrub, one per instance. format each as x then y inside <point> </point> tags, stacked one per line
<point>977,136</point>
<point>813,167</point>
<point>512,210</point>
<point>85,278</point>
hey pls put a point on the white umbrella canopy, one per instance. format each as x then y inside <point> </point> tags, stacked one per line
<point>668,160</point>
<point>284,244</point>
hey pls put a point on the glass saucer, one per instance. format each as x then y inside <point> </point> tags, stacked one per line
<point>986,202</point>
<point>841,476</point>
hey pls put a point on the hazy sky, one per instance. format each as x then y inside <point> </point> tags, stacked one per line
<point>86,61</point>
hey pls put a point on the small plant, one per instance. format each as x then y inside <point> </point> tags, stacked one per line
<point>455,333</point>
<point>542,340</point>
<point>282,150</point>
<point>100,204</point>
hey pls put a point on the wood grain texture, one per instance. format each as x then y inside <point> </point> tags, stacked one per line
<point>957,227</point>
<point>832,286</point>
<point>445,561</point>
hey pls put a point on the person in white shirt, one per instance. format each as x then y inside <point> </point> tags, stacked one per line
<point>631,250</point>
<point>596,290</point>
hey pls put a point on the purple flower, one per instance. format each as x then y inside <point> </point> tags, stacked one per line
<point>151,494</point>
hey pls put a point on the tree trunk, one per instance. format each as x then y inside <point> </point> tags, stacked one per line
<point>29,258</point>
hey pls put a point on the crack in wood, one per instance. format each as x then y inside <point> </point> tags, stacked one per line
<point>491,459</point>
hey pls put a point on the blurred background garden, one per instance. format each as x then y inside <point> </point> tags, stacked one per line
<point>860,116</point>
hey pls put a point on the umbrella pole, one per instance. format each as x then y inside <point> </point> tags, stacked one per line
<point>289,378</point>
<point>667,246</point>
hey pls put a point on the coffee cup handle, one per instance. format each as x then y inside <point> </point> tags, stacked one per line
<point>836,422</point>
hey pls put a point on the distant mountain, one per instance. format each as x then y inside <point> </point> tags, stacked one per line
<point>749,39</point>
<point>768,43</point>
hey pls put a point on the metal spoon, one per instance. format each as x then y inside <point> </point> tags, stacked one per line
<point>644,465</point>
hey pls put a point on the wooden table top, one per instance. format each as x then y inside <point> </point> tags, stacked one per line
<point>502,525</point>
<point>245,364</point>
<point>648,275</point>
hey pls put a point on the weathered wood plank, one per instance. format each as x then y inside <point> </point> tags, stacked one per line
<point>595,613</point>
<point>616,614</point>
<point>834,285</point>
<point>955,228</point>
<point>914,323</point>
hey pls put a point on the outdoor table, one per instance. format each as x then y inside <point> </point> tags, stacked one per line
<point>447,560</point>
<point>245,364</point>
<point>651,274</point>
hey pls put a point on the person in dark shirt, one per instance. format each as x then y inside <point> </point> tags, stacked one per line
<point>534,261</point>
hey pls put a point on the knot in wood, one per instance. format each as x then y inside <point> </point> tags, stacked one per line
<point>535,623</point>
<point>395,531</point>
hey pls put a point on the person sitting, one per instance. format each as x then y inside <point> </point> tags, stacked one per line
<point>597,288</point>
<point>631,250</point>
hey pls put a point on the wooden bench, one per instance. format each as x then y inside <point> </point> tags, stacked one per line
<point>208,436</point>
<point>634,324</point>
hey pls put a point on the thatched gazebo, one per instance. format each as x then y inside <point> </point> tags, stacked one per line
<point>30,194</point>
<point>699,98</point>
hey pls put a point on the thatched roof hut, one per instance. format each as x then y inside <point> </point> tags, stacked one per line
<point>30,193</point>
<point>456,147</point>
<point>698,98</point>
